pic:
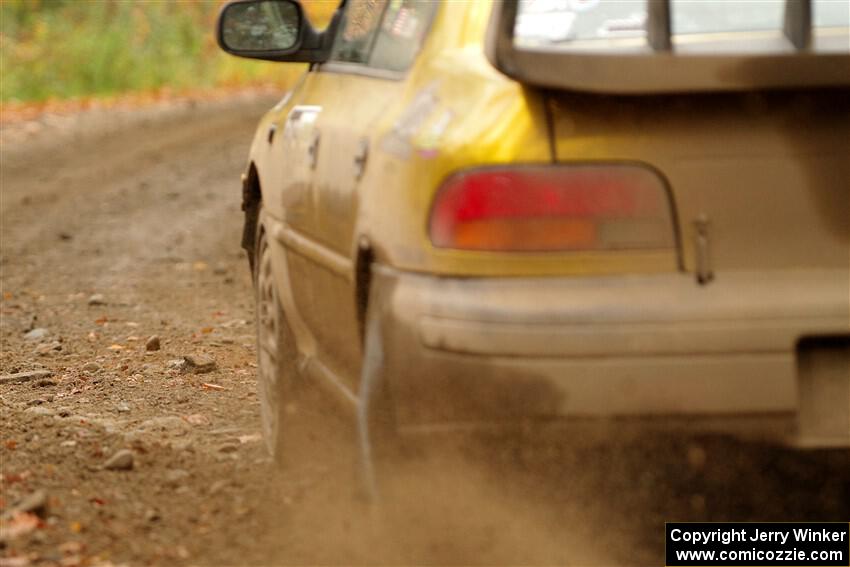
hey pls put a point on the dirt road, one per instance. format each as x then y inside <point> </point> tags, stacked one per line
<point>120,227</point>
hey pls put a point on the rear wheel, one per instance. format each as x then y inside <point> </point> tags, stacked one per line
<point>276,353</point>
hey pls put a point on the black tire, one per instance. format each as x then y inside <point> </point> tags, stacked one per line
<point>276,351</point>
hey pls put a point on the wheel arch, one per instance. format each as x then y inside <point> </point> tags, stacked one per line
<point>252,197</point>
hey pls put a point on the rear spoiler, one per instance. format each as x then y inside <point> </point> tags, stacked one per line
<point>797,56</point>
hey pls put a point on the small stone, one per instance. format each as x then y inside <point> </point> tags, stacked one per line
<point>197,364</point>
<point>68,443</point>
<point>152,343</point>
<point>91,367</point>
<point>38,410</point>
<point>196,419</point>
<point>174,477</point>
<point>25,376</point>
<point>48,348</point>
<point>35,503</point>
<point>228,448</point>
<point>120,461</point>
<point>122,408</point>
<point>97,299</point>
<point>201,364</point>
<point>179,364</point>
<point>36,334</point>
<point>45,383</point>
<point>35,402</point>
<point>152,515</point>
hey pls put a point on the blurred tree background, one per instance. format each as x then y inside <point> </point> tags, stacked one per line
<point>63,49</point>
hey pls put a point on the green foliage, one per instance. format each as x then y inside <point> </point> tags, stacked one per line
<point>79,48</point>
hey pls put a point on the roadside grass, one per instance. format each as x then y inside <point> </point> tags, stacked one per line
<point>70,49</point>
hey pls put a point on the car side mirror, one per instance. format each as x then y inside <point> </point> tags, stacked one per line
<point>273,30</point>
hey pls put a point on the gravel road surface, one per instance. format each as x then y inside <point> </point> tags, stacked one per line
<point>129,431</point>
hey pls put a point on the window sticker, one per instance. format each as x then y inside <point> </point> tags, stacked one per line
<point>398,140</point>
<point>428,141</point>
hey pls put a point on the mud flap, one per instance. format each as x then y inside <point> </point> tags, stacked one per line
<point>823,376</point>
<point>370,389</point>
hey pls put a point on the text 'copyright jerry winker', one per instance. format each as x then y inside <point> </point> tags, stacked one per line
<point>743,544</point>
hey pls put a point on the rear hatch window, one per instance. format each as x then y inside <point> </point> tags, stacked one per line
<point>563,21</point>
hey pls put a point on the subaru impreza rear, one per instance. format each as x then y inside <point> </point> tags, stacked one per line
<point>474,214</point>
<point>657,227</point>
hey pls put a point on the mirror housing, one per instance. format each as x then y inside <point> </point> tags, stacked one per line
<point>307,46</point>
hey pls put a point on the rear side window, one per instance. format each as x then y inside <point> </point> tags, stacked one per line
<point>383,34</point>
<point>402,33</point>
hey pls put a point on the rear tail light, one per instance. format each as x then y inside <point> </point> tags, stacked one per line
<point>551,208</point>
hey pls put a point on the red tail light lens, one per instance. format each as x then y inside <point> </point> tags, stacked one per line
<point>551,208</point>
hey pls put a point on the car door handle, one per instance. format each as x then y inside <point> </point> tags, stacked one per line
<point>313,150</point>
<point>360,158</point>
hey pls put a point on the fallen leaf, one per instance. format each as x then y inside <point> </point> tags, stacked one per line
<point>75,527</point>
<point>208,386</point>
<point>11,444</point>
<point>102,320</point>
<point>207,330</point>
<point>11,478</point>
<point>20,524</point>
<point>199,266</point>
<point>7,295</point>
<point>115,347</point>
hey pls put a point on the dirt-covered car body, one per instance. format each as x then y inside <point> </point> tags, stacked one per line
<point>480,250</point>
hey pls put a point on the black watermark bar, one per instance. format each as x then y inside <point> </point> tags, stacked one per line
<point>740,544</point>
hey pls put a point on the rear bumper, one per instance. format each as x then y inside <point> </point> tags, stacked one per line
<point>487,350</point>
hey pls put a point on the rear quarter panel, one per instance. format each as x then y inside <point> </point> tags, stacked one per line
<point>458,112</point>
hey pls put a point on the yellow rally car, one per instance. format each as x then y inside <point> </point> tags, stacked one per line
<point>471,213</point>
